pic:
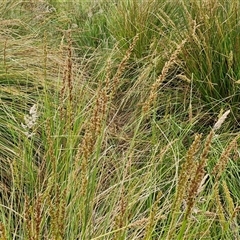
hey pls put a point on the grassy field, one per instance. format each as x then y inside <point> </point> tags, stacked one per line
<point>119,119</point>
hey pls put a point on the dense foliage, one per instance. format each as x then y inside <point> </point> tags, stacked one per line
<point>119,119</point>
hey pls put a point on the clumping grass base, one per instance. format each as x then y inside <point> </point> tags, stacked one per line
<point>119,120</point>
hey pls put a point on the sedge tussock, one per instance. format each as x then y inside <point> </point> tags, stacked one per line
<point>85,163</point>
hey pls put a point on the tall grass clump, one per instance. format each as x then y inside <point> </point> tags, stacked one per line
<point>25,78</point>
<point>128,18</point>
<point>101,132</point>
<point>21,60</point>
<point>197,184</point>
<point>211,56</point>
<point>92,23</point>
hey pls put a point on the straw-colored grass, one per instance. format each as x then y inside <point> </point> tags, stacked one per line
<point>118,120</point>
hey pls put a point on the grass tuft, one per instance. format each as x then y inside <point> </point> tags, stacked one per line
<point>119,119</point>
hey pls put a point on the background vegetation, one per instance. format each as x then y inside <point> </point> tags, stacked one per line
<point>119,119</point>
